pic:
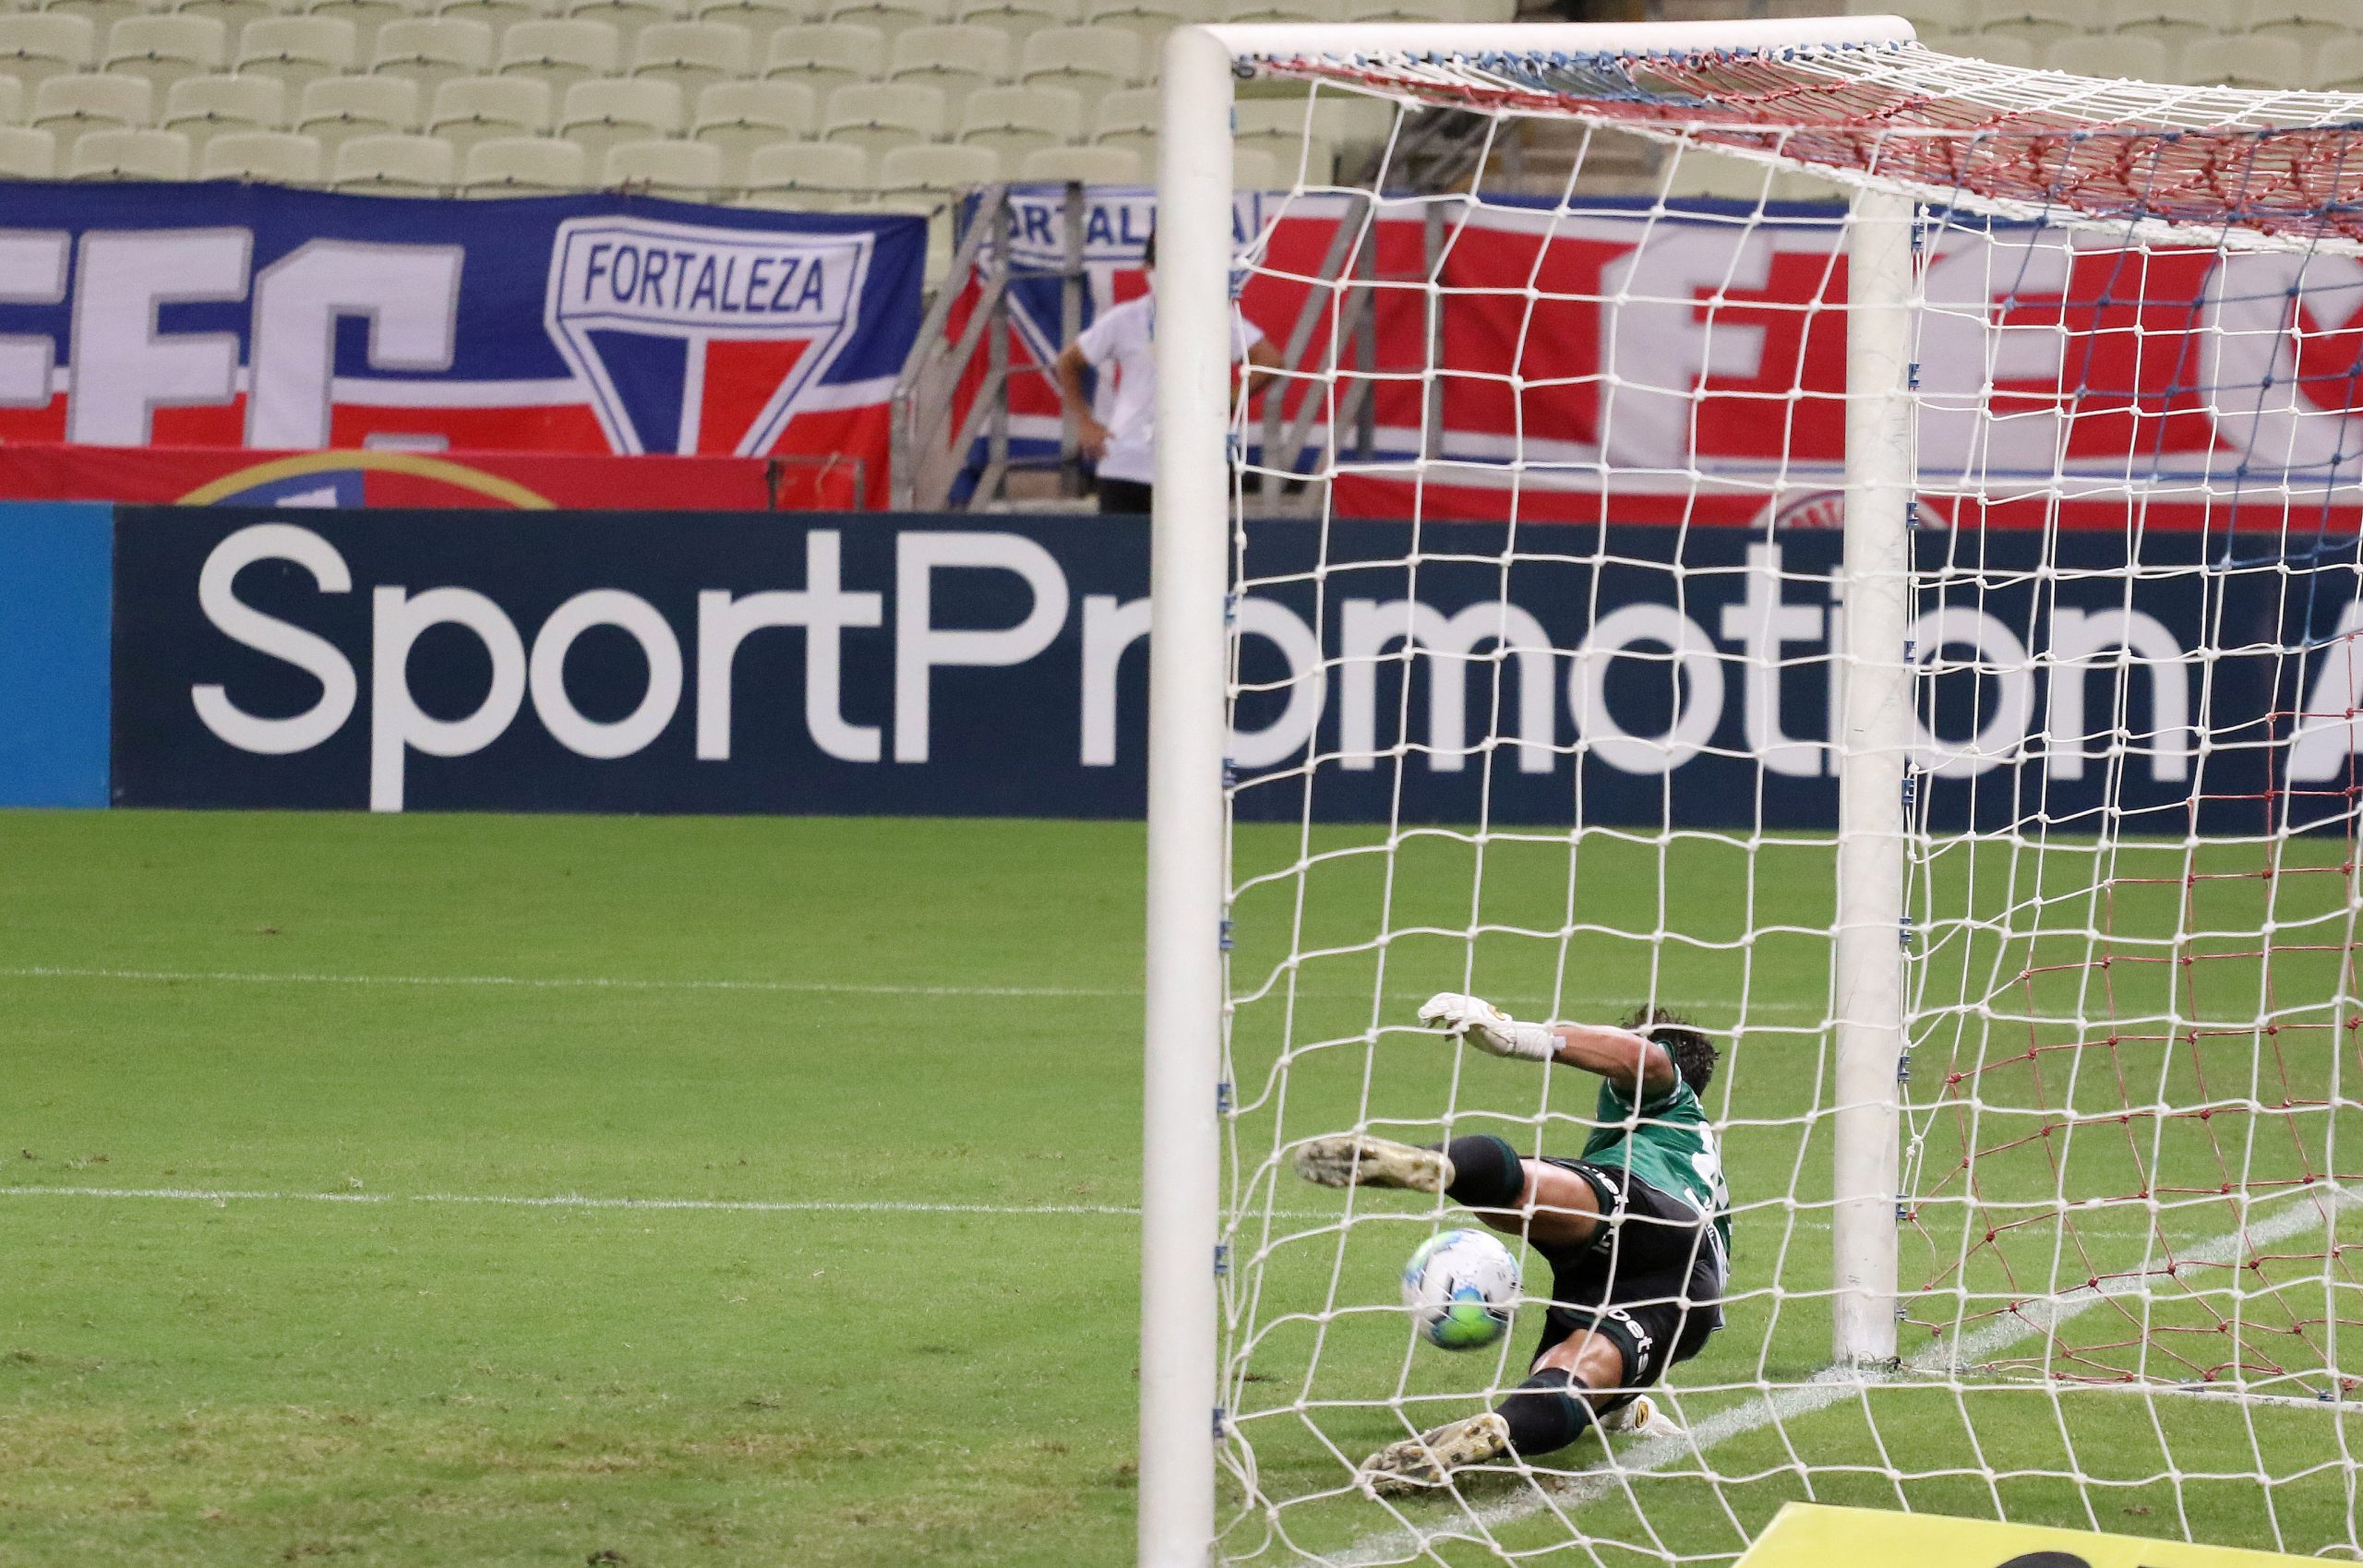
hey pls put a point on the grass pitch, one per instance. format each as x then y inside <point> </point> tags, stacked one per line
<point>525,1189</point>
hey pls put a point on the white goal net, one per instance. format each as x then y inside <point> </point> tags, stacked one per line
<point>1884,587</point>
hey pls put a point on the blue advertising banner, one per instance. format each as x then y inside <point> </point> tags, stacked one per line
<point>966,666</point>
<point>54,587</point>
<point>262,316</point>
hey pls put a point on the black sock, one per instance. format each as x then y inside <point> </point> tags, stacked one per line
<point>1486,1172</point>
<point>1544,1414</point>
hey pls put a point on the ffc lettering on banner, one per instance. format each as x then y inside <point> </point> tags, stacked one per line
<point>286,321</point>
<point>1660,336</point>
<point>945,666</point>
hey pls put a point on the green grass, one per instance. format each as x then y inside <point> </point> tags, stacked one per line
<point>818,1012</point>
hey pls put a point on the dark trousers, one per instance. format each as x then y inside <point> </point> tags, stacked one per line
<point>1126,495</point>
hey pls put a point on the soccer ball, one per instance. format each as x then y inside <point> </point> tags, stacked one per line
<point>1461,1287</point>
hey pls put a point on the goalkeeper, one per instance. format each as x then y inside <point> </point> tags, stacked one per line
<point>1636,1231</point>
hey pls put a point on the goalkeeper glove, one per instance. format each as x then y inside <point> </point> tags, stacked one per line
<point>1488,1027</point>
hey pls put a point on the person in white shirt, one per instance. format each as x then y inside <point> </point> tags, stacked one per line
<point>1123,338</point>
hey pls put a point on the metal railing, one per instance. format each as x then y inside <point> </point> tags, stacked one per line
<point>945,439</point>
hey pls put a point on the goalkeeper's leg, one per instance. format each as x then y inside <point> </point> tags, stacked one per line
<point>1557,1403</point>
<point>1549,1205</point>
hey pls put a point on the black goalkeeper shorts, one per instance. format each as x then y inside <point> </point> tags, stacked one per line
<point>1650,1280</point>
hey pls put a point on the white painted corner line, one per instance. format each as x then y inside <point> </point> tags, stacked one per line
<point>1826,1388</point>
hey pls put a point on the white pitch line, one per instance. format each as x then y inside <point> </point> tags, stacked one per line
<point>1824,1389</point>
<point>790,987</point>
<point>556,983</point>
<point>571,1201</point>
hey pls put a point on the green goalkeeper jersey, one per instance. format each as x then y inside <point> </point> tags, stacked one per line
<point>1670,1144</point>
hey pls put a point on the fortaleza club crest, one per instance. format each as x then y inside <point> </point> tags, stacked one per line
<point>695,338</point>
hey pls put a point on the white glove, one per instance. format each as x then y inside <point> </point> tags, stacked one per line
<point>1487,1027</point>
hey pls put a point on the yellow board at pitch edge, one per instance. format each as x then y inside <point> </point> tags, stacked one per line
<point>1807,1535</point>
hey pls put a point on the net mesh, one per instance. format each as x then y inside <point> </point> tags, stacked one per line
<point>1534,688</point>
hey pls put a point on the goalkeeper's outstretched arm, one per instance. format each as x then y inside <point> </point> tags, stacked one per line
<point>1634,1063</point>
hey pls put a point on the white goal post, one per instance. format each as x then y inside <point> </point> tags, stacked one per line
<point>1908,158</point>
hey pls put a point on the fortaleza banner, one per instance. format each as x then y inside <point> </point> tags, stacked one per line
<point>1624,362</point>
<point>254,316</point>
<point>603,661</point>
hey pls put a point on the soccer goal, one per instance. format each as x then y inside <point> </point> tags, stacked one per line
<point>1870,565</point>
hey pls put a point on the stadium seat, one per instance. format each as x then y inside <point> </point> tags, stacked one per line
<point>296,50</point>
<point>2040,22</point>
<point>1146,21</point>
<point>1016,19</point>
<point>339,109</point>
<point>467,110</point>
<point>2310,23</point>
<point>1995,48</point>
<point>204,107</point>
<point>2173,22</point>
<point>739,116</point>
<point>369,17</point>
<point>2338,65</point>
<point>394,166</point>
<point>1014,120</point>
<point>536,164</point>
<point>1127,118</point>
<point>232,13</point>
<point>627,17</point>
<point>936,172</point>
<point>101,14</point>
<point>1090,166</point>
<point>562,52</point>
<point>66,107</point>
<point>694,54</point>
<point>1462,11</point>
<point>12,101</point>
<point>278,157</point>
<point>498,14</point>
<point>2263,63</point>
<point>1279,125</point>
<point>890,18</point>
<point>1927,17</point>
<point>37,46</point>
<point>878,117</point>
<point>27,154</point>
<point>957,60</point>
<point>761,18</point>
<point>1288,11</point>
<point>164,49</point>
<point>2122,58</point>
<point>601,114</point>
<point>432,50</point>
<point>1350,117</point>
<point>826,58</point>
<point>128,155</point>
<point>1089,61</point>
<point>807,174</point>
<point>1254,168</point>
<point>688,170</point>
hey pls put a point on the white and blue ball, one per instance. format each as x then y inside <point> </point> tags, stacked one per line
<point>1461,1287</point>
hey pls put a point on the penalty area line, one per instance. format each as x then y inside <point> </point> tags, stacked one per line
<point>1831,1386</point>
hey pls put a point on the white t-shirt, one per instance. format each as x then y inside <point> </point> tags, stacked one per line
<point>1124,336</point>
